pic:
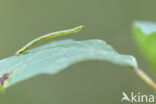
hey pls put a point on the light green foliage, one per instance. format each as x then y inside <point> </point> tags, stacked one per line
<point>56,56</point>
<point>145,35</point>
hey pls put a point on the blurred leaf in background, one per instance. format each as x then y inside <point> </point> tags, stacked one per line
<point>145,35</point>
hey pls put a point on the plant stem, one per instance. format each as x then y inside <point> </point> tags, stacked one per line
<point>145,77</point>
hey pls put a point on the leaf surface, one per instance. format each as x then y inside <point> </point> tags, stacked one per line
<point>54,57</point>
<point>145,35</point>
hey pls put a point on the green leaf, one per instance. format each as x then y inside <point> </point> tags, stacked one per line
<point>56,56</point>
<point>145,35</point>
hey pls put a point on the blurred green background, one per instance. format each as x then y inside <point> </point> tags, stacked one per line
<point>91,82</point>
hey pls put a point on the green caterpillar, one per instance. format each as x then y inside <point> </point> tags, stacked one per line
<point>48,36</point>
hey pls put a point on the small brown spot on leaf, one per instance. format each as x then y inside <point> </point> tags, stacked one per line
<point>4,77</point>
